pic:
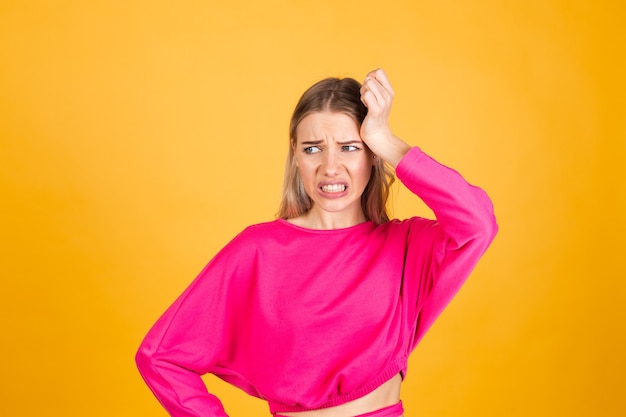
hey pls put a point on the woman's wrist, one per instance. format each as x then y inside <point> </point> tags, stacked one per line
<point>393,150</point>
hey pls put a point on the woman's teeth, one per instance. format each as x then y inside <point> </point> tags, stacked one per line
<point>334,188</point>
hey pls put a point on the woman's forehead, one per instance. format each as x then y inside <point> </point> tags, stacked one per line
<point>327,124</point>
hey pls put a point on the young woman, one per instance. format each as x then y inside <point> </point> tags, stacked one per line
<point>318,311</point>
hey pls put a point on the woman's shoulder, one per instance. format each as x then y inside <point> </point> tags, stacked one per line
<point>256,231</point>
<point>261,229</point>
<point>410,222</point>
<point>249,239</point>
<point>261,233</point>
<point>410,228</point>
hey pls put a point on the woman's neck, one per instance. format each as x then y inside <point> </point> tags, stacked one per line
<point>322,220</point>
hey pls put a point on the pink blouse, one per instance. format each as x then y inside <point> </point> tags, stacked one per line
<point>309,319</point>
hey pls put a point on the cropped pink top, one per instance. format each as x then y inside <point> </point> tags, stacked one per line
<point>308,319</point>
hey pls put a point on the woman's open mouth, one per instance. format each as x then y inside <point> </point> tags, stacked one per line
<point>334,188</point>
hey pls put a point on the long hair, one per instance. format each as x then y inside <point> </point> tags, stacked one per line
<point>339,95</point>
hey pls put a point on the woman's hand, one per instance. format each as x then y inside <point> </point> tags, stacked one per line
<point>377,95</point>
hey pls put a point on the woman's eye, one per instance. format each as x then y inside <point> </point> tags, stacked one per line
<point>312,149</point>
<point>349,148</point>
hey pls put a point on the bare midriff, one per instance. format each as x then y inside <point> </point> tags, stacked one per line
<point>384,396</point>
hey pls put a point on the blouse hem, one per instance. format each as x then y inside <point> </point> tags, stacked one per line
<point>390,372</point>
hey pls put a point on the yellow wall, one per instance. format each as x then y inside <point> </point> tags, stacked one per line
<point>138,137</point>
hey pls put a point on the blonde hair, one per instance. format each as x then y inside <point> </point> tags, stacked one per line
<point>340,95</point>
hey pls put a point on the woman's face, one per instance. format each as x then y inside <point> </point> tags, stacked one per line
<point>334,164</point>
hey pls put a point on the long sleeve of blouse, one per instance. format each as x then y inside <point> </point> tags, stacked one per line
<point>446,250</point>
<point>307,332</point>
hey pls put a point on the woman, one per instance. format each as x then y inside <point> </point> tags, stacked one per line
<point>318,311</point>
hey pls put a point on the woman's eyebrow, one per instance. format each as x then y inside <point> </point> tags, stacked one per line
<point>318,142</point>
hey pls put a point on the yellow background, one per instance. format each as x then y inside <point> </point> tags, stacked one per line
<point>138,137</point>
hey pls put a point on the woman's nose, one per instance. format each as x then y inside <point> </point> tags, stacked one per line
<point>332,163</point>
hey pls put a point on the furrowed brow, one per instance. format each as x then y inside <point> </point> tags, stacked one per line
<point>311,142</point>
